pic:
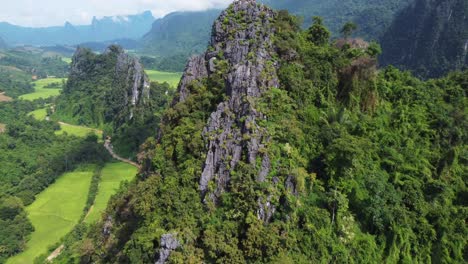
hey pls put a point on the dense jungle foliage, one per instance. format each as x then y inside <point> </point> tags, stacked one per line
<point>378,161</point>
<point>32,157</point>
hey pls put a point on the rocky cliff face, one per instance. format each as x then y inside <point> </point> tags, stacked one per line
<point>108,88</point>
<point>241,38</point>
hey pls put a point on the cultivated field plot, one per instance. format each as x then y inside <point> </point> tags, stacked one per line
<point>111,176</point>
<point>39,114</point>
<point>4,98</point>
<point>41,91</point>
<point>67,60</point>
<point>172,78</point>
<point>79,131</point>
<point>55,212</point>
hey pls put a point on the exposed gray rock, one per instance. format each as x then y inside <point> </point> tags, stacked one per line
<point>233,129</point>
<point>169,243</point>
<point>195,70</point>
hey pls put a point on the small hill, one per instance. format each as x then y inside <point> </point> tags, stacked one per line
<point>430,38</point>
<point>111,91</point>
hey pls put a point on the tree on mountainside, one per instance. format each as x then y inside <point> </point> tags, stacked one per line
<point>318,33</point>
<point>348,29</point>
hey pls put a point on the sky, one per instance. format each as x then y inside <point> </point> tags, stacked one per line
<point>40,13</point>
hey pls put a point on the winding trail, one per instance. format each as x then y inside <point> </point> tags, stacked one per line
<point>107,145</point>
<point>109,148</point>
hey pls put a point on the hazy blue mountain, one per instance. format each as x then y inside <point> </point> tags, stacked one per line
<point>430,38</point>
<point>104,29</point>
<point>180,33</point>
<point>175,37</point>
<point>3,44</point>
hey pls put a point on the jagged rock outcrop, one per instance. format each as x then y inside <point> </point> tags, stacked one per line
<point>169,243</point>
<point>104,88</point>
<point>233,129</point>
<point>242,38</point>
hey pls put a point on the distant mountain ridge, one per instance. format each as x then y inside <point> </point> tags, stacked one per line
<point>180,32</point>
<point>430,38</point>
<point>104,29</point>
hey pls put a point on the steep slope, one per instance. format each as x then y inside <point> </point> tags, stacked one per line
<point>429,37</point>
<point>107,28</point>
<point>282,148</point>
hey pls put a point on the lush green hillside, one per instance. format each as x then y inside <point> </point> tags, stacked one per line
<point>429,37</point>
<point>283,148</point>
<point>14,82</point>
<point>34,61</point>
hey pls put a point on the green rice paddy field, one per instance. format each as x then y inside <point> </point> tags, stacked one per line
<point>172,78</point>
<point>58,209</point>
<point>55,212</point>
<point>111,176</point>
<point>79,131</point>
<point>41,91</point>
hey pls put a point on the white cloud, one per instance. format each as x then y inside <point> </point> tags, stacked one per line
<point>38,13</point>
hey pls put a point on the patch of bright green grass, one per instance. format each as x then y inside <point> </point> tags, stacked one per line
<point>111,176</point>
<point>39,114</point>
<point>55,212</point>
<point>67,60</point>
<point>172,78</point>
<point>79,131</point>
<point>41,92</point>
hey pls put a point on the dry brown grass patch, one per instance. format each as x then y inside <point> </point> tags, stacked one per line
<point>4,98</point>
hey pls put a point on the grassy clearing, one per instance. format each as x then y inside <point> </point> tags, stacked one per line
<point>41,91</point>
<point>79,131</point>
<point>2,128</point>
<point>39,114</point>
<point>67,60</point>
<point>172,78</point>
<point>55,212</point>
<point>111,176</point>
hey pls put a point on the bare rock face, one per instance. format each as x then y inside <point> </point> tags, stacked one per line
<point>243,34</point>
<point>242,40</point>
<point>169,243</point>
<point>195,69</point>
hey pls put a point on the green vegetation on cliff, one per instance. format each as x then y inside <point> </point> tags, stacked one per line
<point>325,159</point>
